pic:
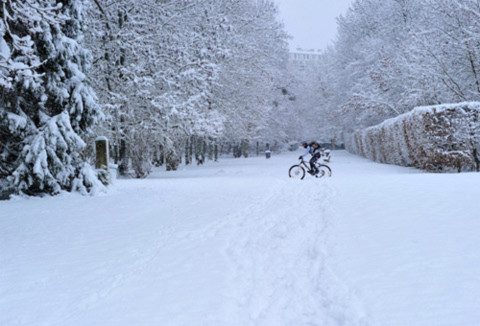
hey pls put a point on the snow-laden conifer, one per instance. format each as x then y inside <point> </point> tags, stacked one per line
<point>46,105</point>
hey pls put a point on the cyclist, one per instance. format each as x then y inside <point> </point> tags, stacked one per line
<point>313,149</point>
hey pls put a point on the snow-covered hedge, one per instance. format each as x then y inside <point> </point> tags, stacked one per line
<point>434,138</point>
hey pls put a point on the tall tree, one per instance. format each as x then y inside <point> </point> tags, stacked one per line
<point>168,70</point>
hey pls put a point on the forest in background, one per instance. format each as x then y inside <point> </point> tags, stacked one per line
<point>391,56</point>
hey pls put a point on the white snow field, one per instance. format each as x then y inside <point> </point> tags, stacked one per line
<point>239,243</point>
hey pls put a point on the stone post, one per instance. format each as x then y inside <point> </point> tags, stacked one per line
<point>102,155</point>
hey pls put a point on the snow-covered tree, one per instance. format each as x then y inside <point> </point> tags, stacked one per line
<point>253,74</point>
<point>167,71</point>
<point>46,104</point>
<point>391,56</point>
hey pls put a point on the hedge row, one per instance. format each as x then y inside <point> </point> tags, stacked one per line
<point>442,138</point>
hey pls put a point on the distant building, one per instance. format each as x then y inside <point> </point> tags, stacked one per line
<point>304,59</point>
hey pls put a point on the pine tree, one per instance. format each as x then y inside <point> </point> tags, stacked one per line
<point>46,104</point>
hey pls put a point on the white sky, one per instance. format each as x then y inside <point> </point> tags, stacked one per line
<point>312,23</point>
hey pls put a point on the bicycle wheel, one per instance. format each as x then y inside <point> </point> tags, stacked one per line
<point>324,170</point>
<point>296,172</point>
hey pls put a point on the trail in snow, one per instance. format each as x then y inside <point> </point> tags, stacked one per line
<point>279,271</point>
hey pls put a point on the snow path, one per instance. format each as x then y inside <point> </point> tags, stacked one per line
<point>280,275</point>
<point>238,243</point>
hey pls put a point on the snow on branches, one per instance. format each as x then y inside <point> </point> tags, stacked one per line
<point>393,55</point>
<point>46,104</point>
<point>49,161</point>
<point>167,71</point>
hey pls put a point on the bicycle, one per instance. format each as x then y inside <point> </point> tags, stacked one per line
<point>298,170</point>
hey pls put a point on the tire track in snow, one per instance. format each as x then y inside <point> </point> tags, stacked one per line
<point>279,267</point>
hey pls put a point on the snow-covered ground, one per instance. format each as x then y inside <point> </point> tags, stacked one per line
<point>239,243</point>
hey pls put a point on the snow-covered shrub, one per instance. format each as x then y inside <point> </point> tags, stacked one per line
<point>435,138</point>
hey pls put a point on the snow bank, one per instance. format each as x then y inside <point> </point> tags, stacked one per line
<point>435,138</point>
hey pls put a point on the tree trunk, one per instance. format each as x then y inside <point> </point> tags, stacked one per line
<point>245,144</point>
<point>114,154</point>
<point>161,155</point>
<point>210,149</point>
<point>204,149</point>
<point>187,152</point>
<point>476,159</point>
<point>172,160</point>
<point>190,148</point>
<point>200,150</point>
<point>123,158</point>
<point>158,156</point>
<point>237,150</point>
